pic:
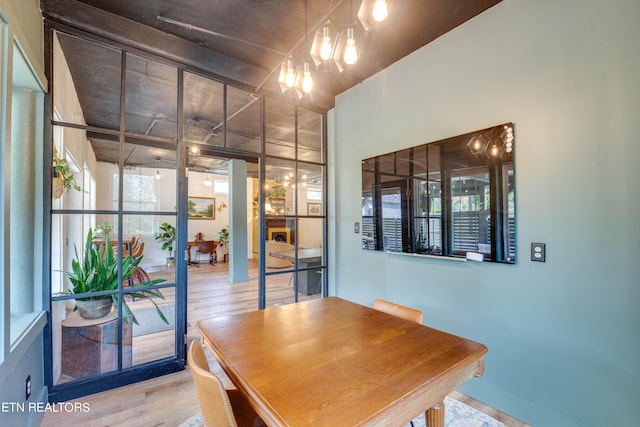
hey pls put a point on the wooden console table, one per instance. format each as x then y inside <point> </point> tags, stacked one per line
<point>90,347</point>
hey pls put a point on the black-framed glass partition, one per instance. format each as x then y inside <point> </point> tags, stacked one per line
<point>450,198</point>
<point>294,204</point>
<point>134,138</point>
<point>114,303</point>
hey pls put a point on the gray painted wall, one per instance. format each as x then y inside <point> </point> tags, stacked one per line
<point>23,356</point>
<point>562,335</point>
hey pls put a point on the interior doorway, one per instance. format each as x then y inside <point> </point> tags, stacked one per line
<point>211,288</point>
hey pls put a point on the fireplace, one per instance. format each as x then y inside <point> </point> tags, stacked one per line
<point>280,234</point>
<point>281,230</point>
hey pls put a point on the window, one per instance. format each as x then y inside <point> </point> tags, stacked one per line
<point>314,195</point>
<point>140,195</point>
<point>220,187</point>
<point>24,210</point>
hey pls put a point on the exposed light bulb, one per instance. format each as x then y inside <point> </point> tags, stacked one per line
<point>307,81</point>
<point>325,49</point>
<point>290,79</point>
<point>494,150</point>
<point>380,10</point>
<point>158,176</point>
<point>350,52</point>
<point>207,182</point>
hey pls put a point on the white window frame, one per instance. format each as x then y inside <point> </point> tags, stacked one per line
<point>18,329</point>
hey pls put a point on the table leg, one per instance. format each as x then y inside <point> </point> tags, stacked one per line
<point>189,255</point>
<point>435,415</point>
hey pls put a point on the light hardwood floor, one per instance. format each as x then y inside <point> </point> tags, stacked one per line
<point>171,399</point>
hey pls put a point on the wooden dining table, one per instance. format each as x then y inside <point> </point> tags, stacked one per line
<point>332,362</point>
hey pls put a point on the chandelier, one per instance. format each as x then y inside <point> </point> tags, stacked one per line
<point>337,48</point>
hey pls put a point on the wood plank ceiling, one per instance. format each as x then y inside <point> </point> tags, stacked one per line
<point>244,42</point>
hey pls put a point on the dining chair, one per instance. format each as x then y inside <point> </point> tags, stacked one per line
<point>137,248</point>
<point>220,407</point>
<point>206,247</point>
<point>403,312</point>
<point>398,310</point>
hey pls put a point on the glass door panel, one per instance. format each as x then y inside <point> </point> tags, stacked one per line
<point>150,98</point>
<point>203,110</point>
<point>309,186</point>
<point>310,136</point>
<point>79,179</point>
<point>86,347</point>
<point>243,120</point>
<point>279,289</point>
<point>87,67</point>
<point>280,129</point>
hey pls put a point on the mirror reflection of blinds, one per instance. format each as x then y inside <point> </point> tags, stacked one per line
<point>368,233</point>
<point>467,230</point>
<point>511,238</point>
<point>392,234</point>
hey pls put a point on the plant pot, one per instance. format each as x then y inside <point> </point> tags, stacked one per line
<point>57,186</point>
<point>171,262</point>
<point>94,308</point>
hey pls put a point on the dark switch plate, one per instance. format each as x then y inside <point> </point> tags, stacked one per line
<point>538,252</point>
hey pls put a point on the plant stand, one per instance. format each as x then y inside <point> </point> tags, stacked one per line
<point>90,347</point>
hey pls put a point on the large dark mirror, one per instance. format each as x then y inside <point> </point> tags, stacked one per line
<point>451,198</point>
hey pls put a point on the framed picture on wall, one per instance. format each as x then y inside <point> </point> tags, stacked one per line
<point>314,208</point>
<point>201,207</point>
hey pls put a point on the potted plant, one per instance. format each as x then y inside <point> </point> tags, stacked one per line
<point>63,178</point>
<point>103,229</point>
<point>167,235</point>
<point>223,238</point>
<point>97,271</point>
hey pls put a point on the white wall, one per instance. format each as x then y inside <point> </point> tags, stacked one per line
<point>210,228</point>
<point>562,335</point>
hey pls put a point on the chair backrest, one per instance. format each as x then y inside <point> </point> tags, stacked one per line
<point>206,246</point>
<point>398,310</point>
<point>137,248</point>
<point>214,402</point>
